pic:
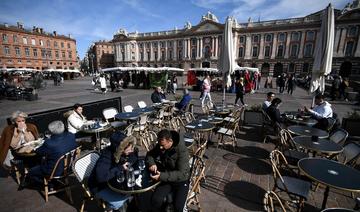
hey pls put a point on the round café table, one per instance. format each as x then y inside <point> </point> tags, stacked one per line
<point>128,116</point>
<point>331,174</point>
<point>145,110</point>
<point>101,127</point>
<point>147,184</point>
<point>213,119</point>
<point>308,131</point>
<point>320,145</point>
<point>300,120</point>
<point>200,125</point>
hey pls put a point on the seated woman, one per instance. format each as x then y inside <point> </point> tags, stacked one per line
<point>16,134</point>
<point>184,101</point>
<point>114,160</point>
<point>75,119</point>
<point>273,110</point>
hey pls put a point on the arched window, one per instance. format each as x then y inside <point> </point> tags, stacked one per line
<point>268,37</point>
<point>242,39</point>
<point>241,52</point>
<point>294,50</point>
<point>267,51</point>
<point>308,50</point>
<point>352,31</point>
<point>280,52</point>
<point>349,49</point>
<point>281,37</point>
<point>255,52</point>
<point>295,36</point>
<point>256,38</point>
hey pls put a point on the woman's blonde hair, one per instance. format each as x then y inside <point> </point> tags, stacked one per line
<point>130,140</point>
<point>18,114</point>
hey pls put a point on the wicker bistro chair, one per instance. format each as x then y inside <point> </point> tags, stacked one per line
<point>230,131</point>
<point>351,154</point>
<point>82,168</point>
<point>109,115</point>
<point>189,117</point>
<point>297,190</point>
<point>67,159</point>
<point>129,130</point>
<point>141,104</point>
<point>128,108</point>
<point>157,122</point>
<point>148,139</point>
<point>236,115</point>
<point>272,203</point>
<point>197,175</point>
<point>287,146</point>
<point>142,126</point>
<point>168,114</point>
<point>339,136</point>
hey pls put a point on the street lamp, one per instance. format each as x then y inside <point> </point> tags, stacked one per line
<point>91,55</point>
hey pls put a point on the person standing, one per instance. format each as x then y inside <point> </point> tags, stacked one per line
<point>269,97</point>
<point>335,86</point>
<point>102,81</point>
<point>240,91</point>
<point>290,84</point>
<point>206,86</point>
<point>281,83</point>
<point>342,88</point>
<point>174,84</point>
<point>168,162</point>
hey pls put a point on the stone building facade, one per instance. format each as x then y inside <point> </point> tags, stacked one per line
<point>276,46</point>
<point>35,48</point>
<point>101,55</point>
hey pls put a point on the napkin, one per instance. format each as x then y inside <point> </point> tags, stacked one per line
<point>138,181</point>
<point>188,139</point>
<point>190,126</point>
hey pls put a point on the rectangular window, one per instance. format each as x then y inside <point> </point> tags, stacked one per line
<point>294,51</point>
<point>48,43</point>
<point>49,54</point>
<point>6,50</point>
<point>242,39</point>
<point>41,43</point>
<point>310,35</point>
<point>57,54</point>
<point>62,44</point>
<point>255,51</point>
<point>43,53</point>
<point>5,38</point>
<point>27,52</point>
<point>35,53</point>
<point>55,44</point>
<point>15,38</point>
<point>68,45</point>
<point>70,55</point>
<point>63,54</point>
<point>17,51</point>
<point>241,52</point>
<point>33,42</point>
<point>267,51</point>
<point>25,40</point>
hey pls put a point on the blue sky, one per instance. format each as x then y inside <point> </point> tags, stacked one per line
<point>89,21</point>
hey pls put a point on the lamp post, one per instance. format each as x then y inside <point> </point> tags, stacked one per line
<point>91,55</point>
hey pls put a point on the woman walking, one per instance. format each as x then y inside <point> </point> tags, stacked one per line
<point>240,91</point>
<point>206,90</point>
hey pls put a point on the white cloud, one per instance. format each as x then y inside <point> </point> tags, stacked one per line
<point>138,6</point>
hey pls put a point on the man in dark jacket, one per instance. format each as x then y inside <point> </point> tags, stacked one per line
<point>53,148</point>
<point>273,110</point>
<point>184,101</point>
<point>157,96</point>
<point>168,162</point>
<point>113,162</point>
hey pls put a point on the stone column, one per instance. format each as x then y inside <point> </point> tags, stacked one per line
<point>212,47</point>
<point>336,42</point>
<point>302,43</point>
<point>357,51</point>
<point>216,46</point>
<point>261,48</point>
<point>274,47</point>
<point>151,51</point>
<point>342,43</point>
<point>201,47</point>
<point>175,53</point>
<point>189,48</point>
<point>166,50</point>
<point>158,51</point>
<point>287,46</point>
<point>248,47</point>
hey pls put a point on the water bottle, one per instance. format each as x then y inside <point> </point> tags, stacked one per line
<point>130,177</point>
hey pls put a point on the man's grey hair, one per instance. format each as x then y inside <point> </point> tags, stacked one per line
<point>18,114</point>
<point>186,91</point>
<point>56,127</point>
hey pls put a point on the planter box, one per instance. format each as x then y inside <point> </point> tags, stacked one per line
<point>253,117</point>
<point>352,126</point>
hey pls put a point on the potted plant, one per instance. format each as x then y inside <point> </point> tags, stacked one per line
<point>253,115</point>
<point>351,123</point>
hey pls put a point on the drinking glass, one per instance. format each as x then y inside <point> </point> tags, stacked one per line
<point>130,177</point>
<point>47,134</point>
<point>141,165</point>
<point>120,178</point>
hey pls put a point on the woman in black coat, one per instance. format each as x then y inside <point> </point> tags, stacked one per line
<point>273,110</point>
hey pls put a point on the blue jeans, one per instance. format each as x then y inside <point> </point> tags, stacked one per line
<point>114,200</point>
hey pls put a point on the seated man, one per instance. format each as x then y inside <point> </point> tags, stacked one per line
<point>184,101</point>
<point>273,110</point>
<point>322,109</point>
<point>75,119</point>
<point>158,96</point>
<point>114,161</point>
<point>53,148</point>
<point>168,162</point>
<point>269,97</point>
